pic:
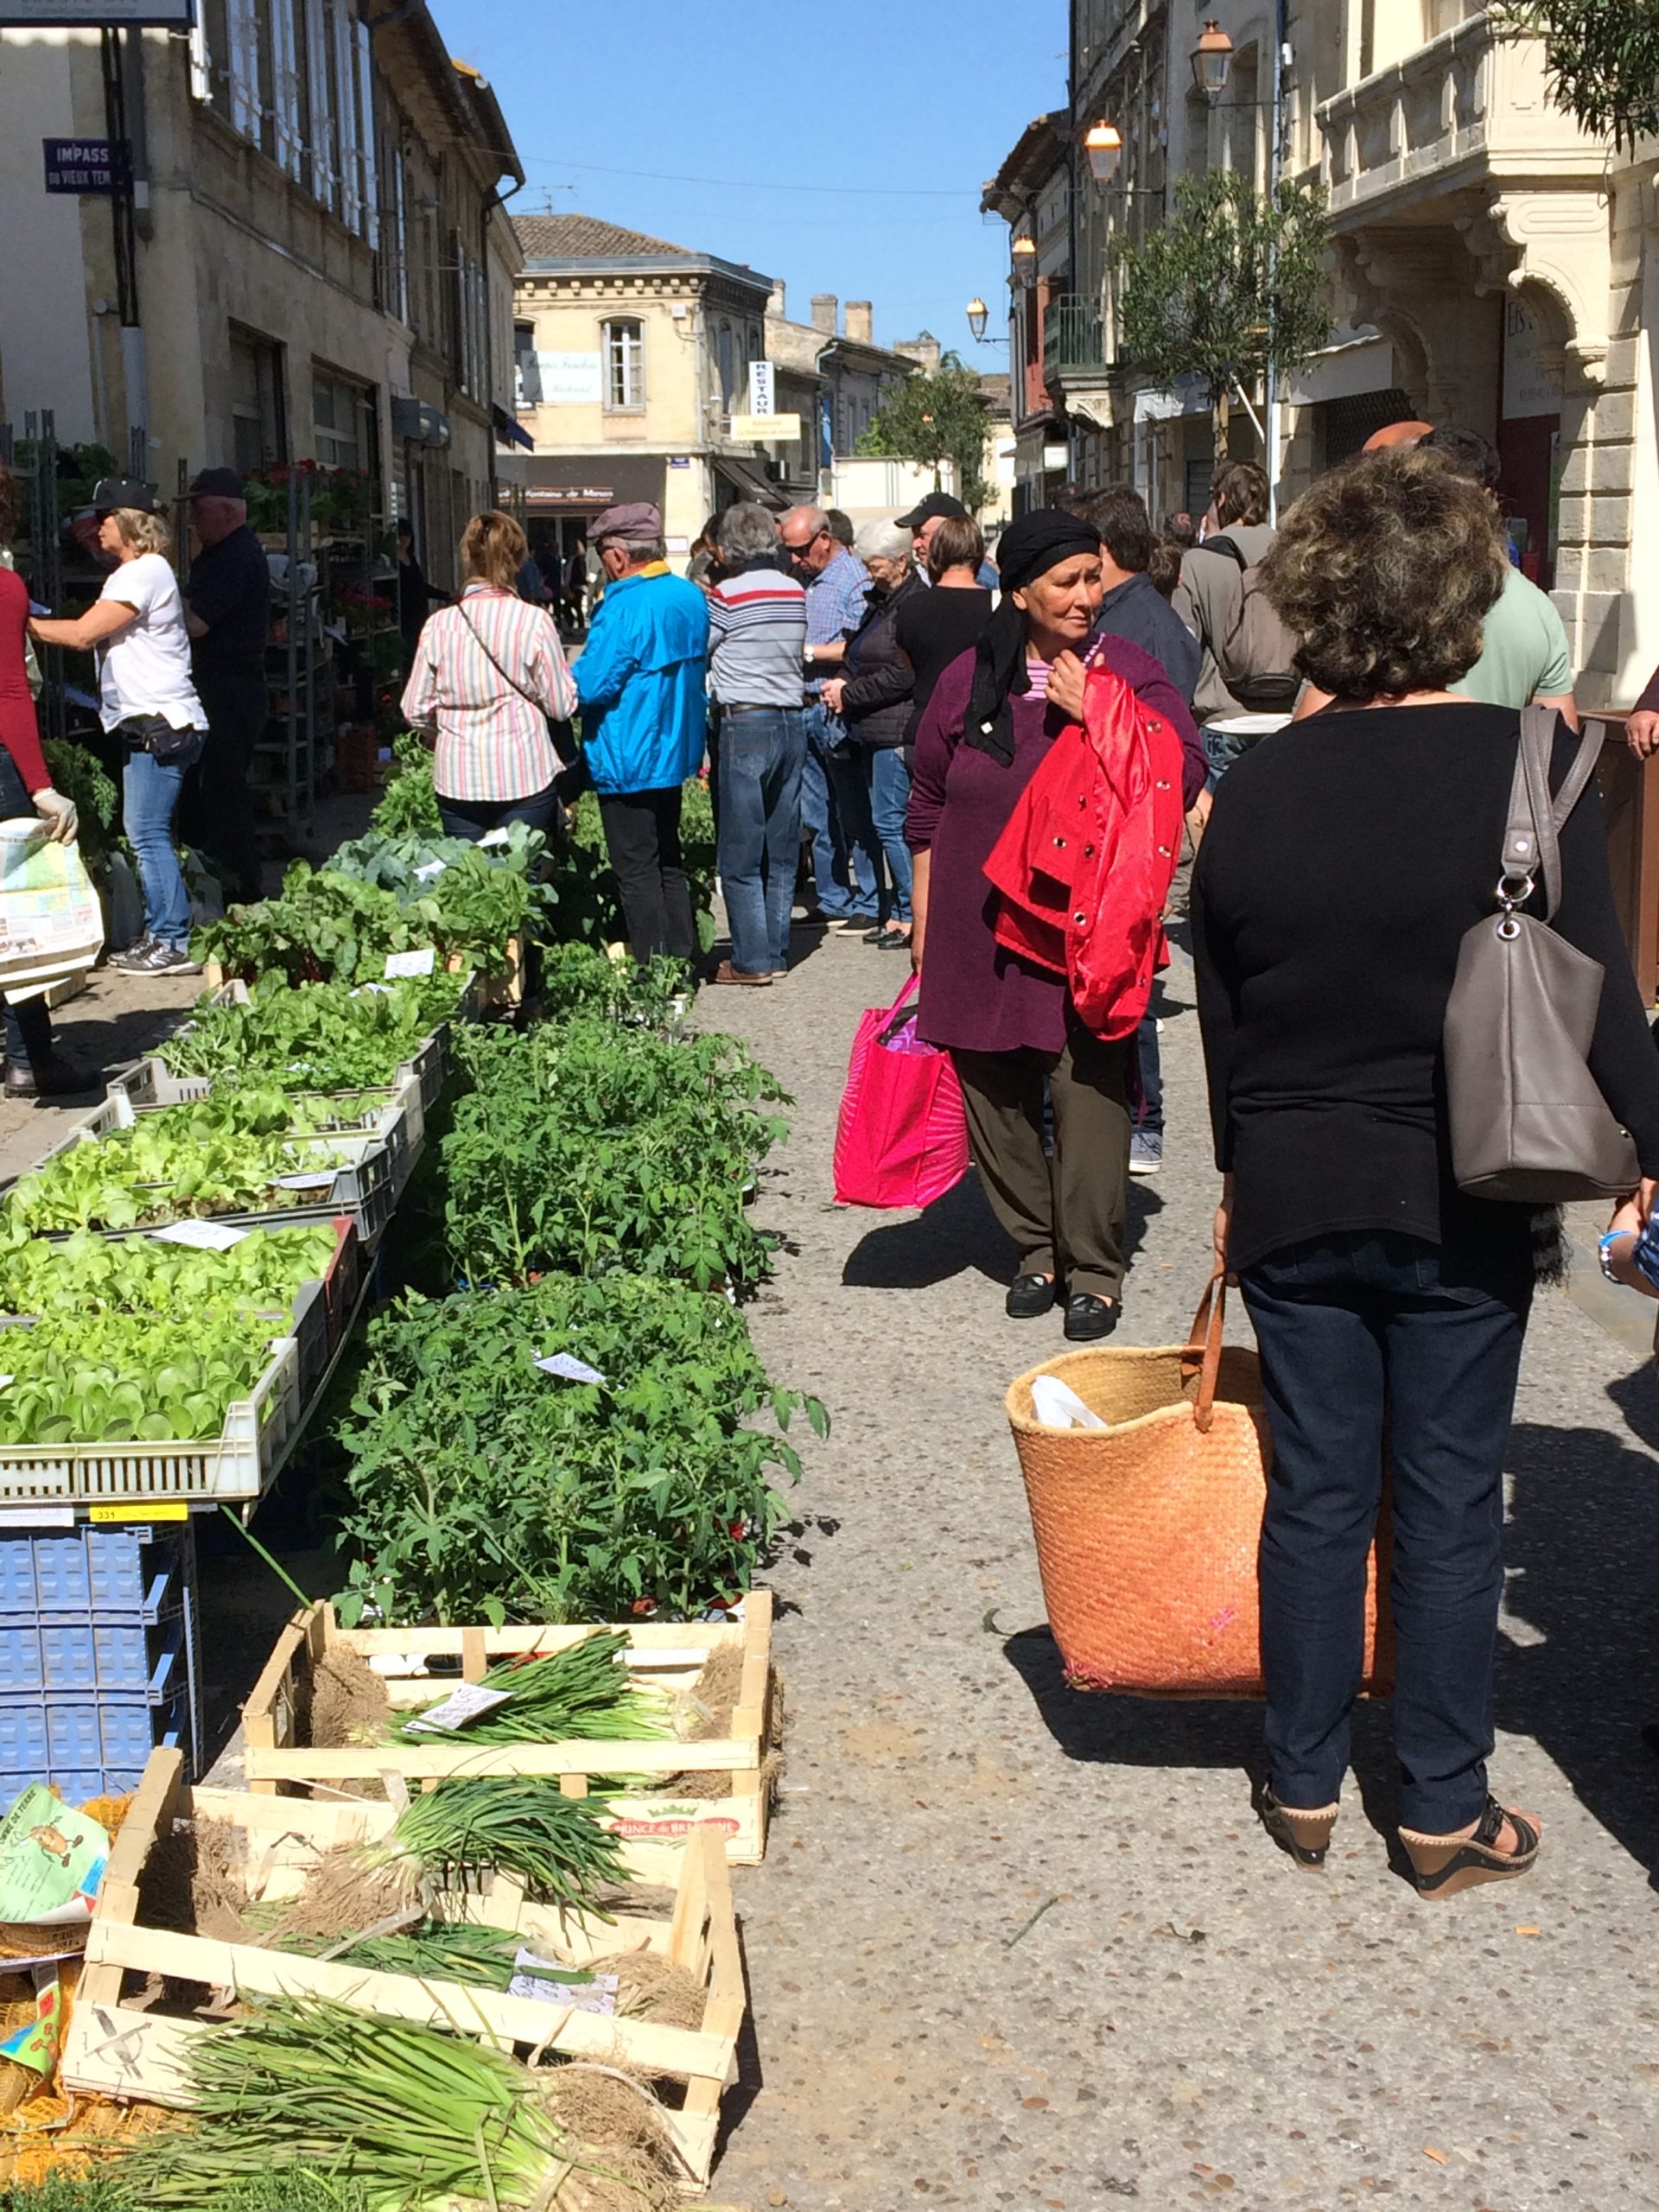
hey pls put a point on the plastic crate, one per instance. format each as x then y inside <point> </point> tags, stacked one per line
<point>393,1111</point>
<point>128,1573</point>
<point>76,1658</point>
<point>87,1746</point>
<point>240,1463</point>
<point>323,1307</point>
<point>365,1184</point>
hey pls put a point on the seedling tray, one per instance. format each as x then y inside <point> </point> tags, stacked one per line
<point>391,1111</point>
<point>115,2048</point>
<point>660,1827</point>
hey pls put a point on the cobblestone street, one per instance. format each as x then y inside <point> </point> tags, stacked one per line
<point>1188,2021</point>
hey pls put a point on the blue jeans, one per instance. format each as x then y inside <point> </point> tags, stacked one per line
<point>1221,748</point>
<point>1150,1050</point>
<point>761,755</point>
<point>1360,1337</point>
<point>149,800</point>
<point>825,795</point>
<point>473,818</point>
<point>889,798</point>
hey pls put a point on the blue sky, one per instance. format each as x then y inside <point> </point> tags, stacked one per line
<point>893,97</point>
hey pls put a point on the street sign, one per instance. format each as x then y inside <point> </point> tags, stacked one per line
<point>98,15</point>
<point>86,165</point>
<point>763,388</point>
<point>767,430</point>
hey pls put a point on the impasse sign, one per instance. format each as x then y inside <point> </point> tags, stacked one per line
<point>97,15</point>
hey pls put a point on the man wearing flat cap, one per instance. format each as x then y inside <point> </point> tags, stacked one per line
<point>645,715</point>
<point>227,613</point>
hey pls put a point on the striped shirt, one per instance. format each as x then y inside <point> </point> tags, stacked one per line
<point>757,636</point>
<point>490,721</point>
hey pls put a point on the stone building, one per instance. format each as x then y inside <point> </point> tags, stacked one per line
<point>1490,264</point>
<point>634,370</point>
<point>313,263</point>
<point>833,368</point>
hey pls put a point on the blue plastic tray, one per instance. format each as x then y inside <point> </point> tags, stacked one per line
<point>60,1739</point>
<point>129,1573</point>
<point>71,1657</point>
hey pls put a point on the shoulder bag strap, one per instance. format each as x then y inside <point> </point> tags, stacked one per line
<point>1532,838</point>
<point>506,675</point>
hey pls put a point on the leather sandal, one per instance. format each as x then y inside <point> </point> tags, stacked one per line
<point>1441,1866</point>
<point>1305,1835</point>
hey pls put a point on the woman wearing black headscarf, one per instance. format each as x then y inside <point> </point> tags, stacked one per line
<point>1010,1027</point>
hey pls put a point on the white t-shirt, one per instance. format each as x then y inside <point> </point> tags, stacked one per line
<point>146,670</point>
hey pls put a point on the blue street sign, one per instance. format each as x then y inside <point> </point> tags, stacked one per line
<point>86,165</point>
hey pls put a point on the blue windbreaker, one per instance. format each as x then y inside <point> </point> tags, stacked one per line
<point>640,679</point>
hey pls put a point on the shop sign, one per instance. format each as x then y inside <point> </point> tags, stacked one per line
<point>570,379</point>
<point>763,388</point>
<point>98,15</point>
<point>767,430</point>
<point>87,165</point>
<point>1529,390</point>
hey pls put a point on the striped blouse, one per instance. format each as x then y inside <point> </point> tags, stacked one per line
<point>493,742</point>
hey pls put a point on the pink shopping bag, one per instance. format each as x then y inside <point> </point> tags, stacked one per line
<point>903,1135</point>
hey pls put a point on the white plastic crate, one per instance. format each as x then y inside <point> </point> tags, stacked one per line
<point>240,1463</point>
<point>398,1121</point>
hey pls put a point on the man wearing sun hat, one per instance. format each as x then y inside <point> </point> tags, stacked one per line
<point>644,720</point>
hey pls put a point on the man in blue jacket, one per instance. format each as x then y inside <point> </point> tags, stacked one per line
<point>644,718</point>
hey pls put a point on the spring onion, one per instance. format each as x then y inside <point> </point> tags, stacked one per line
<point>583,1690</point>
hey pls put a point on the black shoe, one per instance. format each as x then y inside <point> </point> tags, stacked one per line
<point>892,941</point>
<point>1030,1297</point>
<point>875,935</point>
<point>1089,1318</point>
<point>57,1077</point>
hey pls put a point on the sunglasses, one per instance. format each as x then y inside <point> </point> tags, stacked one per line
<point>802,544</point>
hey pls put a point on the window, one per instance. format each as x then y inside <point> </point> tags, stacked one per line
<point>256,419</point>
<point>727,369</point>
<point>527,367</point>
<point>342,415</point>
<point>625,366</point>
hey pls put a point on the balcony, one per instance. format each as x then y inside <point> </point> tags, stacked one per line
<point>1073,340</point>
<point>1471,109</point>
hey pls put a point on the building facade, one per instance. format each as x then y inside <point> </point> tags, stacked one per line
<point>834,365</point>
<point>315,262</point>
<point>1490,264</point>
<point>633,376</point>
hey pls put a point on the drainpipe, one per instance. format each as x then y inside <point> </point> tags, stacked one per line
<point>493,198</point>
<point>1276,170</point>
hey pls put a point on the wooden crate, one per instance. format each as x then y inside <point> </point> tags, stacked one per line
<point>672,1654</point>
<point>119,2050</point>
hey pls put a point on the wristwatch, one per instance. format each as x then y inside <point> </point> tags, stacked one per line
<point>809,654</point>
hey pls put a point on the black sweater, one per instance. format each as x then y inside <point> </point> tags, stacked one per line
<point>875,704</point>
<point>1344,860</point>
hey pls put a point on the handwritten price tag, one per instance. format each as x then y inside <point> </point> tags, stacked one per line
<point>457,1709</point>
<point>419,962</point>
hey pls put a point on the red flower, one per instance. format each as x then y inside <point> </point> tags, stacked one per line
<point>644,1605</point>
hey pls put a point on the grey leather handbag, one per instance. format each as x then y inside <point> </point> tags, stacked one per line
<point>1528,1121</point>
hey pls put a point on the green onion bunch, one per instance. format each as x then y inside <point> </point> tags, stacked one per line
<point>512,1824</point>
<point>482,1958</point>
<point>411,2113</point>
<point>583,1690</point>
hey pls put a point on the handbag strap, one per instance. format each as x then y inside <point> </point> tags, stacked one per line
<point>505,674</point>
<point>902,1014</point>
<point>1202,1355</point>
<point>1532,838</point>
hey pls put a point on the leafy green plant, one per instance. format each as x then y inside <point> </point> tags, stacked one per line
<point>79,773</point>
<point>933,418</point>
<point>183,1160</point>
<point>411,803</point>
<point>581,979</point>
<point>115,1377</point>
<point>558,1846</point>
<point>320,1036</point>
<point>586,1148</point>
<point>88,1274</point>
<point>478,1487</point>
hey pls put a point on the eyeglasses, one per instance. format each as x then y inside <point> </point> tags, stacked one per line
<point>802,544</point>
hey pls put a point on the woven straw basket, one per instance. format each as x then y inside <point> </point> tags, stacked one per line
<point>1148,1529</point>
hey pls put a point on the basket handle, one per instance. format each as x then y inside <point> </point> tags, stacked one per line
<point>1202,1357</point>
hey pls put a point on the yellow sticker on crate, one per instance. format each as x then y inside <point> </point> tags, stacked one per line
<point>141,1509</point>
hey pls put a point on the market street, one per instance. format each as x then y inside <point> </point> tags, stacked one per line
<point>1189,2021</point>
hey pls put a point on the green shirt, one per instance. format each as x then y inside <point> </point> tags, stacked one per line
<point>1524,654</point>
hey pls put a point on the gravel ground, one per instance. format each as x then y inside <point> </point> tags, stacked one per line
<point>1189,2019</point>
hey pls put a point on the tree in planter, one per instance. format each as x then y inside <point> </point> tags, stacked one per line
<point>933,418</point>
<point>1233,283</point>
<point>1603,59</point>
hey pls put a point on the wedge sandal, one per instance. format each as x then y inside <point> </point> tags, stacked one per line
<point>1442,1865</point>
<point>1305,1835</point>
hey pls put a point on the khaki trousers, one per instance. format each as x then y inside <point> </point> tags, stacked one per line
<point>1066,1215</point>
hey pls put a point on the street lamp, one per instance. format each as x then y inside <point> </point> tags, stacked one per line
<point>1104,146</point>
<point>1212,60</point>
<point>978,315</point>
<point>1024,254</point>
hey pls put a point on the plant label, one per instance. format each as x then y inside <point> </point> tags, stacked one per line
<point>421,961</point>
<point>457,1709</point>
<point>495,837</point>
<point>432,868</point>
<point>314,1179</point>
<point>200,1236</point>
<point>569,1369</point>
<point>547,1985</point>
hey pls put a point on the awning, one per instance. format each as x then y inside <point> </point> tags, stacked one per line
<point>509,433</point>
<point>589,484</point>
<point>750,480</point>
<point>1355,362</point>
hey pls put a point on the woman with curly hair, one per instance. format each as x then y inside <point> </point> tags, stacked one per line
<point>1345,860</point>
